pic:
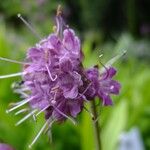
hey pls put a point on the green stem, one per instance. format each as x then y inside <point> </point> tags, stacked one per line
<point>96,126</point>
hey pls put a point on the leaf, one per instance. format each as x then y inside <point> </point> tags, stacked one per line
<point>114,126</point>
<point>112,61</point>
<point>87,133</point>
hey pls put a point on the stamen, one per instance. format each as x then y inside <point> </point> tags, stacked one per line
<point>12,75</point>
<point>105,69</point>
<point>113,60</point>
<point>21,111</point>
<point>85,90</point>
<point>49,73</point>
<point>48,130</point>
<point>96,119</point>
<point>49,133</point>
<point>13,61</point>
<point>16,103</point>
<point>59,21</point>
<point>20,104</point>
<point>42,110</point>
<point>40,132</point>
<point>63,114</point>
<point>59,10</point>
<point>100,55</point>
<point>49,126</point>
<point>91,114</point>
<point>54,88</point>
<point>59,27</point>
<point>22,93</point>
<point>54,29</point>
<point>34,117</point>
<point>26,117</point>
<point>25,89</point>
<point>29,26</point>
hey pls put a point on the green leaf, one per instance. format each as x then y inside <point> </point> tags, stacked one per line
<point>114,126</point>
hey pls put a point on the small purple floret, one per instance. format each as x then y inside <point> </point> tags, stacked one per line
<point>5,147</point>
<point>102,84</point>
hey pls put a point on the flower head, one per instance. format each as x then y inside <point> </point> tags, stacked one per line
<point>102,85</point>
<point>52,74</point>
<point>55,81</point>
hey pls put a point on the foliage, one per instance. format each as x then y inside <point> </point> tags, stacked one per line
<point>105,16</point>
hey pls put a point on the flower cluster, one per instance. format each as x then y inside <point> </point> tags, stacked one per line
<point>102,85</point>
<point>55,81</point>
<point>54,75</point>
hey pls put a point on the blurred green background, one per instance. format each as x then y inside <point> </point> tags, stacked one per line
<point>105,27</point>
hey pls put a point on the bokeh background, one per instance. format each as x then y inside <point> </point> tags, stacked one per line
<point>105,27</point>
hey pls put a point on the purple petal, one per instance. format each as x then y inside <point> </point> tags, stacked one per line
<point>63,108</point>
<point>90,93</point>
<point>66,81</point>
<point>71,42</point>
<point>112,71</point>
<point>93,74</point>
<point>109,73</point>
<point>115,87</point>
<point>73,93</point>
<point>35,54</point>
<point>65,65</point>
<point>54,42</point>
<point>75,108</point>
<point>105,98</point>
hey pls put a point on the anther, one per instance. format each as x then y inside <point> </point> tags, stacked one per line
<point>59,10</point>
<point>54,28</point>
<point>29,26</point>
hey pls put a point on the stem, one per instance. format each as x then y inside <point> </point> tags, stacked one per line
<point>96,126</point>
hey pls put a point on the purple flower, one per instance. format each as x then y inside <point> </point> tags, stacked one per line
<point>102,85</point>
<point>53,68</point>
<point>5,147</point>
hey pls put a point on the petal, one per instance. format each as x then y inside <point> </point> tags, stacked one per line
<point>90,93</point>
<point>71,42</point>
<point>66,81</point>
<point>105,98</point>
<point>112,71</point>
<point>108,73</point>
<point>65,65</point>
<point>62,107</point>
<point>77,78</point>
<point>54,41</point>
<point>93,74</point>
<point>73,93</point>
<point>75,108</point>
<point>115,87</point>
<point>35,54</point>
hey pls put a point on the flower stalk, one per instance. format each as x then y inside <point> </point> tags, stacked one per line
<point>96,127</point>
